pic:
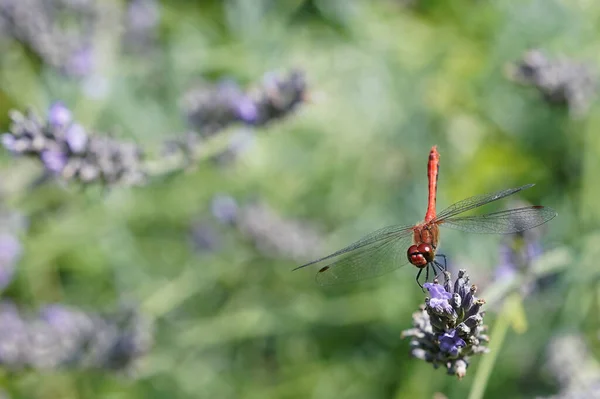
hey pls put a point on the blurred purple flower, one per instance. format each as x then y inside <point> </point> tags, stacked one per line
<point>9,141</point>
<point>54,161</point>
<point>279,95</point>
<point>559,80</point>
<point>247,110</point>
<point>450,342</point>
<point>61,336</point>
<point>210,109</point>
<point>59,115</point>
<point>60,31</point>
<point>76,138</point>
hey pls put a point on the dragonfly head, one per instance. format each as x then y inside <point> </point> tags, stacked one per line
<point>420,255</point>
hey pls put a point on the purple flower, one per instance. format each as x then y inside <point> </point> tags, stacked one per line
<point>59,115</point>
<point>439,298</point>
<point>450,342</point>
<point>76,138</point>
<point>449,328</point>
<point>246,110</point>
<point>54,161</point>
<point>8,141</point>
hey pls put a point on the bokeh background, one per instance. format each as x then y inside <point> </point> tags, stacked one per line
<point>181,286</point>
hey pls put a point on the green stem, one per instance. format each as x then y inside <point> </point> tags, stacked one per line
<point>487,362</point>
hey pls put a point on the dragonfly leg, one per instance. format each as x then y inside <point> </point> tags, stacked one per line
<point>419,275</point>
<point>445,261</point>
<point>439,266</point>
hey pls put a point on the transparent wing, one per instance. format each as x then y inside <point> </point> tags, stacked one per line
<point>476,201</point>
<point>375,254</point>
<point>503,222</point>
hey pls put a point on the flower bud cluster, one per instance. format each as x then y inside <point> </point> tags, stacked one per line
<point>561,81</point>
<point>64,337</point>
<point>210,109</point>
<point>449,328</point>
<point>67,149</point>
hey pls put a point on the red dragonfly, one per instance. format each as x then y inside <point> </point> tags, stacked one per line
<point>392,247</point>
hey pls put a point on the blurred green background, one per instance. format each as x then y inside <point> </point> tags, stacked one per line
<point>387,80</point>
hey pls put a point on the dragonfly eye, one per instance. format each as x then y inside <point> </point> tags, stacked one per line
<point>427,251</point>
<point>416,257</point>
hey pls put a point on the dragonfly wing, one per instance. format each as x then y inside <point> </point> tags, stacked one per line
<point>371,260</point>
<point>503,222</point>
<point>378,236</point>
<point>476,201</point>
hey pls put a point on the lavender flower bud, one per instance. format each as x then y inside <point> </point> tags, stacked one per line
<point>456,301</point>
<point>9,142</point>
<point>54,161</point>
<point>59,115</point>
<point>76,138</point>
<point>247,111</point>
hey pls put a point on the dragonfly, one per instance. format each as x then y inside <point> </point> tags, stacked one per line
<point>392,247</point>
